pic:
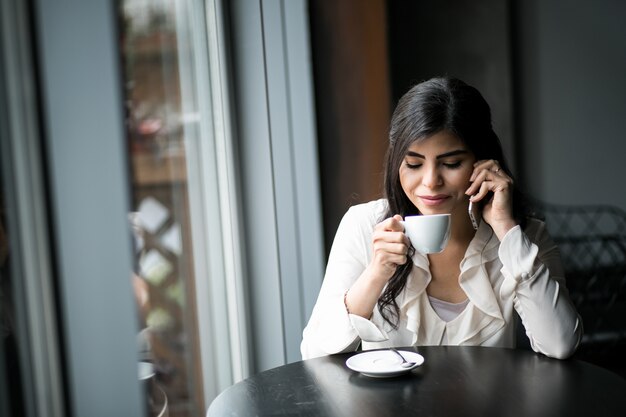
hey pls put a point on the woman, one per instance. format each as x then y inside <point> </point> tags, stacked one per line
<point>379,292</point>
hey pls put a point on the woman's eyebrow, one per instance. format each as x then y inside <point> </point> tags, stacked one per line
<point>443,155</point>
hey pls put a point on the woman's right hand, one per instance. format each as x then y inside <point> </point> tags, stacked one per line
<point>390,248</point>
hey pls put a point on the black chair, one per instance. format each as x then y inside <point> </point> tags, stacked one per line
<point>592,241</point>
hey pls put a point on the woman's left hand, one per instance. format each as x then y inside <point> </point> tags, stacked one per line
<point>498,211</point>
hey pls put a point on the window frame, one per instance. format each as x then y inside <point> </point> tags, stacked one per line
<point>32,271</point>
<point>88,179</point>
<point>277,148</point>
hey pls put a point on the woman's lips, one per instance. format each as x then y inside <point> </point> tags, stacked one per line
<point>433,200</point>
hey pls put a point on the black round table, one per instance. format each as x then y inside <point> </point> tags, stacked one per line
<point>453,381</point>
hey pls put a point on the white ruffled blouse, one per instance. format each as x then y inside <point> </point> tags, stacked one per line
<point>523,272</point>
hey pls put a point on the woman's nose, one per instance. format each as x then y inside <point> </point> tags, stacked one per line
<point>432,177</point>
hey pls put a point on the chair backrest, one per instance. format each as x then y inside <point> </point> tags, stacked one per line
<point>592,241</point>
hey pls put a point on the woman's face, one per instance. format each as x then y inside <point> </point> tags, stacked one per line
<point>435,173</point>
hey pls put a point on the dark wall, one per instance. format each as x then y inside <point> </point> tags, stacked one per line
<point>349,47</point>
<point>572,74</point>
<point>467,39</point>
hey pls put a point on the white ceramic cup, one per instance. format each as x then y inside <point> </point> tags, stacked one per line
<point>428,233</point>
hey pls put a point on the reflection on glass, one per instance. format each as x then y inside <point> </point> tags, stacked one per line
<point>162,279</point>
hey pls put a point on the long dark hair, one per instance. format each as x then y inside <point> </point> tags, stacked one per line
<point>439,104</point>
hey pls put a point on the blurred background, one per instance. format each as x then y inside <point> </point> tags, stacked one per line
<point>173,173</point>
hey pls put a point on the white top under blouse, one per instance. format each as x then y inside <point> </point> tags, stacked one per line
<point>445,310</point>
<point>522,273</point>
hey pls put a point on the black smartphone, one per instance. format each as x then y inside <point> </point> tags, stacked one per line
<point>474,214</point>
<point>475,210</point>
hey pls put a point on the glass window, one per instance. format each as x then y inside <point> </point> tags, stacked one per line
<point>185,214</point>
<point>162,119</point>
<point>187,277</point>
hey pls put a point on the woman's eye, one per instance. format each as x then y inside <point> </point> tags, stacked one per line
<point>413,166</point>
<point>452,165</point>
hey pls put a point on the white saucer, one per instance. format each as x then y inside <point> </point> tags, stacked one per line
<point>383,363</point>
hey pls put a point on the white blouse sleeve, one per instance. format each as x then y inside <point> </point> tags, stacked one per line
<point>331,329</point>
<point>532,260</point>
